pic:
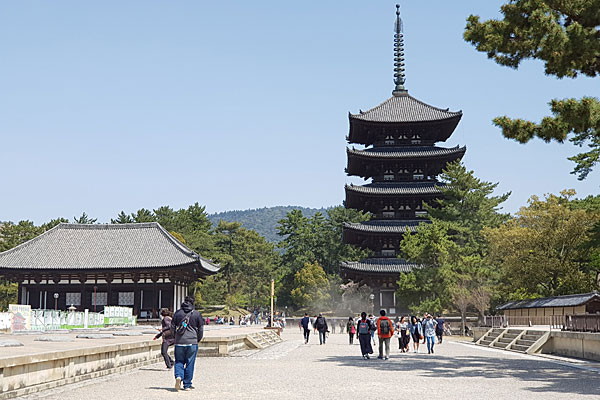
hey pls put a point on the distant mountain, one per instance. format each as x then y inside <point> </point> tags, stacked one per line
<point>263,220</point>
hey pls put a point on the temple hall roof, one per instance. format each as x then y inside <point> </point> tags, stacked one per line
<point>103,246</point>
<point>407,152</point>
<point>404,108</point>
<point>380,265</point>
<point>381,188</point>
<point>571,300</point>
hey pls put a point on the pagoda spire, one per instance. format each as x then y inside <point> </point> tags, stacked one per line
<point>399,77</point>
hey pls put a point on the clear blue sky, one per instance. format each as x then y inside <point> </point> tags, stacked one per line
<point>112,105</point>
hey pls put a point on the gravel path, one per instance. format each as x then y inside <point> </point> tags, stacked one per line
<point>292,370</point>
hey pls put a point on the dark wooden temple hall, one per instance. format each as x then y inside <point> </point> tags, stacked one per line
<point>95,265</point>
<point>400,158</point>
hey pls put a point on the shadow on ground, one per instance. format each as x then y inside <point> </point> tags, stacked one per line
<point>552,376</point>
<point>157,369</point>
<point>165,389</point>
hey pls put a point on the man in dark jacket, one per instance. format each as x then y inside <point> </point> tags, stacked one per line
<point>305,324</point>
<point>321,326</point>
<point>188,328</point>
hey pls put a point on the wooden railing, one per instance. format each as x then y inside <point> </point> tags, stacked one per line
<point>578,323</point>
<point>582,323</point>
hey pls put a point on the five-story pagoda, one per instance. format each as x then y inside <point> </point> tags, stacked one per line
<point>402,161</point>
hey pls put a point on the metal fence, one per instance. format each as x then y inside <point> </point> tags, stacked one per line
<point>43,320</point>
<point>22,317</point>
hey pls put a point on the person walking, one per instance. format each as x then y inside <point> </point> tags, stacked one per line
<point>403,338</point>
<point>385,331</point>
<point>416,332</point>
<point>429,329</point>
<point>167,336</point>
<point>439,329</point>
<point>187,326</point>
<point>351,330</point>
<point>306,326</point>
<point>321,326</point>
<point>373,322</point>
<point>364,329</point>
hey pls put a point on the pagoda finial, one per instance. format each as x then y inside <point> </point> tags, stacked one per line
<point>399,77</point>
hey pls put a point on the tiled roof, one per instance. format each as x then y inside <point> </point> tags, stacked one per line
<point>386,226</point>
<point>102,246</point>
<point>397,188</point>
<point>404,108</point>
<point>382,265</point>
<point>407,152</point>
<point>571,300</point>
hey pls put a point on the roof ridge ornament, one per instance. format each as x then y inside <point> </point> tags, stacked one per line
<point>399,76</point>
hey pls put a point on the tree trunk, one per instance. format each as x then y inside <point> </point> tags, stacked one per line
<point>463,320</point>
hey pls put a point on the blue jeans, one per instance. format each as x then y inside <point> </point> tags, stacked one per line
<point>430,343</point>
<point>322,336</point>
<point>185,358</point>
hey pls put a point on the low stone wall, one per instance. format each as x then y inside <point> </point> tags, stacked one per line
<point>23,375</point>
<point>573,344</point>
<point>478,332</point>
<point>222,346</point>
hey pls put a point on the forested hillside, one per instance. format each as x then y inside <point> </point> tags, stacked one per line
<point>263,220</point>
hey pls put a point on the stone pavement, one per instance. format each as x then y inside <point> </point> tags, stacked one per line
<point>292,370</point>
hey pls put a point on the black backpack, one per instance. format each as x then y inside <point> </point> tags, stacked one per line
<point>384,327</point>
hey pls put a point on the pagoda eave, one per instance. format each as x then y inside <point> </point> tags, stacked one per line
<point>364,132</point>
<point>368,164</point>
<point>383,266</point>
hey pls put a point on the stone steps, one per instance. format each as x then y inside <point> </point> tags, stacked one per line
<point>502,339</point>
<point>519,348</point>
<point>264,339</point>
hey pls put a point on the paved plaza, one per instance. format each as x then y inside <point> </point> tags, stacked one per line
<point>292,370</point>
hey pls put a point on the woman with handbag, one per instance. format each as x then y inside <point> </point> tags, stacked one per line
<point>351,330</point>
<point>416,332</point>
<point>167,336</point>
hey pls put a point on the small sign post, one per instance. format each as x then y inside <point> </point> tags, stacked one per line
<point>272,295</point>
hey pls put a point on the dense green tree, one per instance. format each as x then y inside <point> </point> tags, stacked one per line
<point>122,218</point>
<point>452,248</point>
<point>248,263</point>
<point>212,290</point>
<point>315,239</point>
<point>143,215</point>
<point>311,287</point>
<point>565,36</point>
<point>190,225</point>
<point>318,238</point>
<point>53,222</point>
<point>14,234</point>
<point>84,219</point>
<point>542,252</point>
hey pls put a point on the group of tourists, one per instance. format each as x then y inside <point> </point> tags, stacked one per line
<point>365,329</point>
<point>185,329</point>
<point>427,330</point>
<point>318,324</point>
